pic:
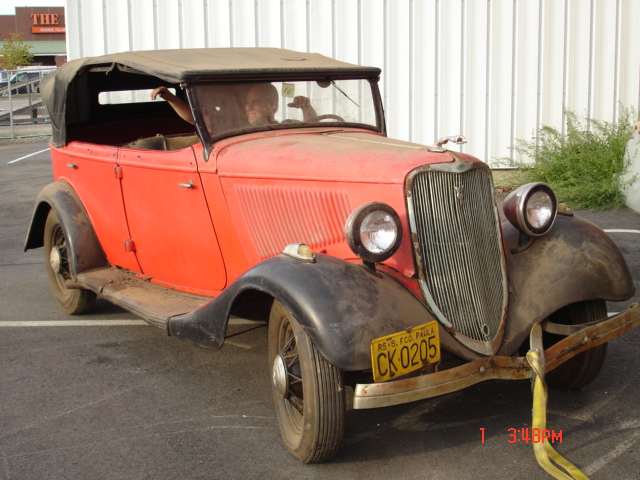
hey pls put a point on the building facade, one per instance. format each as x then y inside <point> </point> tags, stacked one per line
<point>43,28</point>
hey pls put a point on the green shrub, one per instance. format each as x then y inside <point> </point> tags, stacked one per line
<point>584,165</point>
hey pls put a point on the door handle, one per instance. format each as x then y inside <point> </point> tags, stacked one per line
<point>187,185</point>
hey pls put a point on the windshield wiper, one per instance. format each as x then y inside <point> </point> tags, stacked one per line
<point>342,92</point>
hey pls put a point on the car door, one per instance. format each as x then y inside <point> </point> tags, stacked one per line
<point>168,217</point>
<point>91,169</point>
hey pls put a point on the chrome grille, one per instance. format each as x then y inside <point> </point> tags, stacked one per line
<point>459,249</point>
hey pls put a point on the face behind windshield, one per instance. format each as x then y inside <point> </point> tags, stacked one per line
<point>234,107</point>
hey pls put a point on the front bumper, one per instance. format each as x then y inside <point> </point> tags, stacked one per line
<point>397,392</point>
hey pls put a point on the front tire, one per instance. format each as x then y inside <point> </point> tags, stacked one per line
<point>308,391</point>
<point>70,300</point>
<point>582,369</point>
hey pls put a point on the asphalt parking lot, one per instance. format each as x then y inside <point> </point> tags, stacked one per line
<point>105,396</point>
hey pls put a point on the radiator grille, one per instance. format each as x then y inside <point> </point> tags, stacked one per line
<point>459,249</point>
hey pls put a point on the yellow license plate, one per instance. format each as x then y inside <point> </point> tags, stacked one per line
<point>405,352</point>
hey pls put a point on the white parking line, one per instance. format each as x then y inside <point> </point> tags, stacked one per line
<point>98,323</point>
<point>72,323</point>
<point>619,450</point>
<point>27,156</point>
<point>621,230</point>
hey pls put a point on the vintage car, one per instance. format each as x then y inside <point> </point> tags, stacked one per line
<point>266,183</point>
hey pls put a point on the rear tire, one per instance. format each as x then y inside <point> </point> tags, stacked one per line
<point>70,300</point>
<point>582,369</point>
<point>308,391</point>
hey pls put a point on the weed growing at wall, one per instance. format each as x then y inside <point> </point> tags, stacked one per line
<point>584,165</point>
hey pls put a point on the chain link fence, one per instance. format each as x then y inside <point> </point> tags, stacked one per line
<point>22,112</point>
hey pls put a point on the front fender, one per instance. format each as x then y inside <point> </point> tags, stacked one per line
<point>84,250</point>
<point>576,261</point>
<point>341,305</point>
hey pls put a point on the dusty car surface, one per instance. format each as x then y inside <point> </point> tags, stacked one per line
<point>266,182</point>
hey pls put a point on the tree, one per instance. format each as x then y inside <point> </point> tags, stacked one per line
<point>14,52</point>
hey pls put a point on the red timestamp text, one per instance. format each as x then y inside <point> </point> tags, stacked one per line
<point>533,435</point>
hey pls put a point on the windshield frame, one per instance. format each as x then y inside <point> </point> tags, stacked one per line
<point>209,140</point>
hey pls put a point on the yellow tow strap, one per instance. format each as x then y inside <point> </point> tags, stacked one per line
<point>546,455</point>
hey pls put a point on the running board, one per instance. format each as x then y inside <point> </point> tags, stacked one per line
<point>153,303</point>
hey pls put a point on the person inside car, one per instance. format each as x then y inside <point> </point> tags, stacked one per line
<point>261,104</point>
<point>180,106</point>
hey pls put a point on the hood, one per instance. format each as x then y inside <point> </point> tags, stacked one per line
<point>326,155</point>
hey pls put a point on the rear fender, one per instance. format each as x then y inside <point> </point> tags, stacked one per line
<point>341,305</point>
<point>575,262</point>
<point>85,252</point>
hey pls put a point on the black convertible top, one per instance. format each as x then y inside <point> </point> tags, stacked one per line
<point>67,93</point>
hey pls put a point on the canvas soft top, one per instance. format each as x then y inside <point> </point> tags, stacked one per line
<point>191,65</point>
<point>185,66</point>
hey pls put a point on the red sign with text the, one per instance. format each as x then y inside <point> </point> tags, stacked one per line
<point>46,23</point>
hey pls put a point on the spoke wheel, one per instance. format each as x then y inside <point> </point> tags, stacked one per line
<point>582,369</point>
<point>308,391</point>
<point>56,258</point>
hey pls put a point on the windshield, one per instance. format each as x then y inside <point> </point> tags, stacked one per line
<point>232,107</point>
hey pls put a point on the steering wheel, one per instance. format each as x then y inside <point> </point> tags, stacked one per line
<point>329,116</point>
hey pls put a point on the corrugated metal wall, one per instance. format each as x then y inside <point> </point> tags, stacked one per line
<point>493,70</point>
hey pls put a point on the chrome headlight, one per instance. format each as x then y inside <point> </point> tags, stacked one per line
<point>531,208</point>
<point>373,232</point>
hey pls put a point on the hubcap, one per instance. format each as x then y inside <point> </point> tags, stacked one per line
<point>55,259</point>
<point>279,376</point>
